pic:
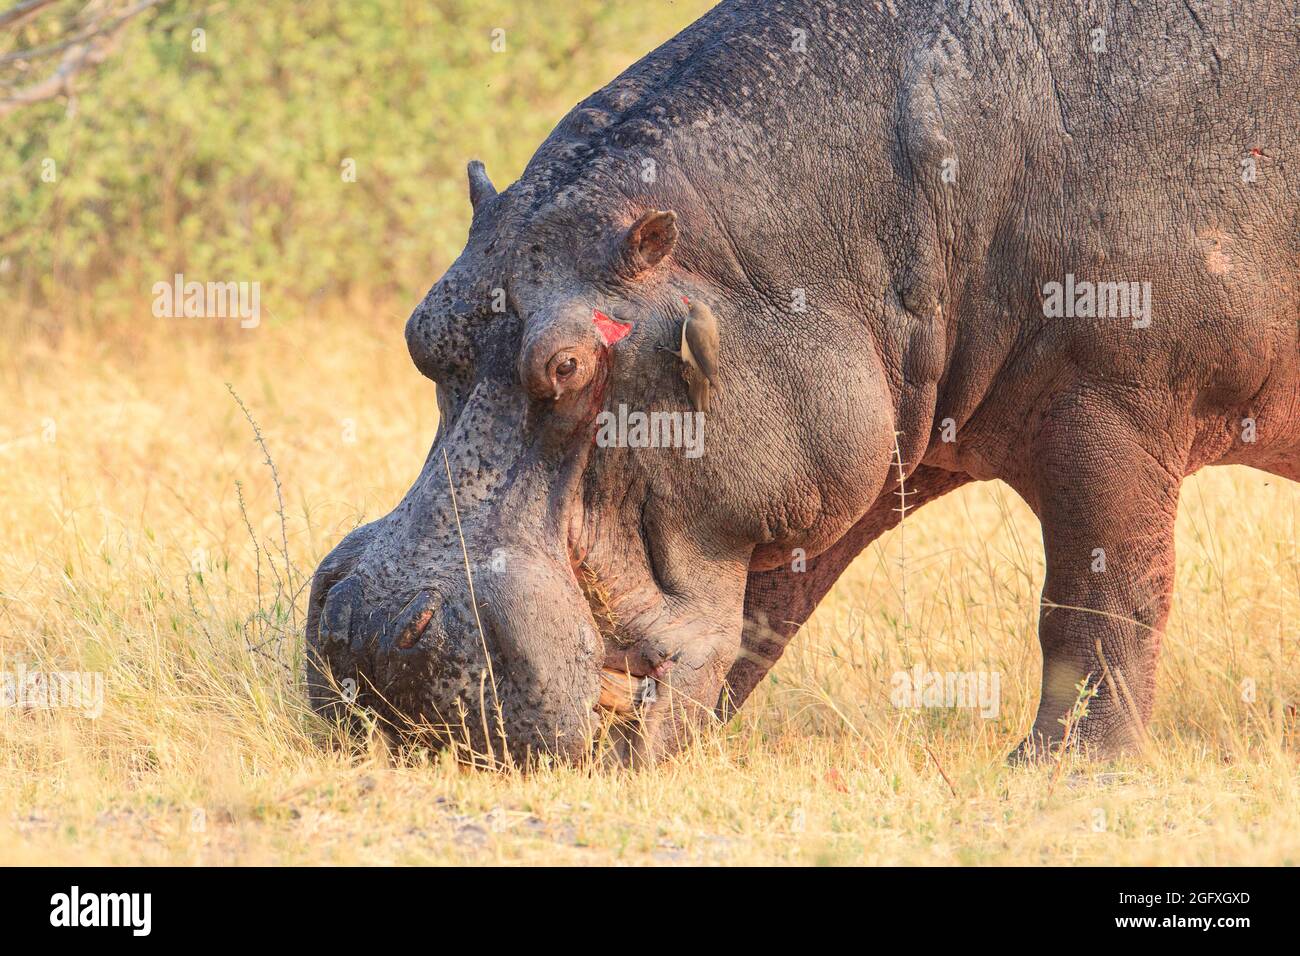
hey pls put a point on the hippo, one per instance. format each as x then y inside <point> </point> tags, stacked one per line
<point>939,242</point>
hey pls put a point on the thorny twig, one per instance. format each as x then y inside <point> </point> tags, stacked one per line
<point>286,592</point>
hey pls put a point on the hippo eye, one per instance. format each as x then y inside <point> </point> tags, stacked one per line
<point>565,373</point>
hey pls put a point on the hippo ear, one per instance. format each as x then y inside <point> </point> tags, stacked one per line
<point>481,189</point>
<point>646,243</point>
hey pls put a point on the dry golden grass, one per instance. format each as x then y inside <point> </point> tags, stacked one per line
<point>120,453</point>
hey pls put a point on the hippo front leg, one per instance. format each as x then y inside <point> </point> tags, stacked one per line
<point>1107,501</point>
<point>780,600</point>
<point>777,603</point>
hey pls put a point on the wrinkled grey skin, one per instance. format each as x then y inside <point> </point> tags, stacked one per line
<point>822,171</point>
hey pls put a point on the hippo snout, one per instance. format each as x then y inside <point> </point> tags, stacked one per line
<point>519,673</point>
<point>348,623</point>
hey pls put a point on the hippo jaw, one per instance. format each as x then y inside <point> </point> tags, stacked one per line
<point>436,674</point>
<point>633,668</point>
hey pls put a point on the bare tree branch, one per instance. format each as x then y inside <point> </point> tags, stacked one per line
<point>38,52</point>
<point>91,45</point>
<point>17,16</point>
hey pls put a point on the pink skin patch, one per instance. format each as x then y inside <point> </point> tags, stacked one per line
<point>611,330</point>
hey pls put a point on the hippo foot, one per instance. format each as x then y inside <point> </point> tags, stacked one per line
<point>1034,751</point>
<point>1085,741</point>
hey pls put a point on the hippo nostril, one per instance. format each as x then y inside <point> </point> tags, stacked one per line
<point>342,609</point>
<point>413,621</point>
<point>415,630</point>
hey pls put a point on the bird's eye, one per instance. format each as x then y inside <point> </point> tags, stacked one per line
<point>567,367</point>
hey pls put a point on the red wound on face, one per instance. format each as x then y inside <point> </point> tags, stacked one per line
<point>611,330</point>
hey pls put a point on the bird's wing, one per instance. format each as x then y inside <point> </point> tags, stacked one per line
<point>698,387</point>
<point>702,336</point>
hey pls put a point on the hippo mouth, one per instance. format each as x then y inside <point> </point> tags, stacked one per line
<point>629,685</point>
<point>627,694</point>
<point>406,666</point>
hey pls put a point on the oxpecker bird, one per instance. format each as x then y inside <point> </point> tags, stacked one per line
<point>698,351</point>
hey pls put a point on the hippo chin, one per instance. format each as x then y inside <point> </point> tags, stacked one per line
<point>986,241</point>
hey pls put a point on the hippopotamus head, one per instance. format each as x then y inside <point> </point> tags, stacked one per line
<point>569,548</point>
